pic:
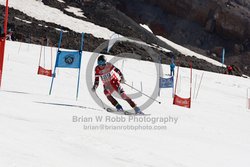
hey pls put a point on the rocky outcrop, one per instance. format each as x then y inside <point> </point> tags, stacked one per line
<point>107,14</point>
<point>198,24</point>
<point>229,18</point>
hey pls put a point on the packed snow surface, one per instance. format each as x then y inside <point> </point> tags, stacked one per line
<point>39,130</point>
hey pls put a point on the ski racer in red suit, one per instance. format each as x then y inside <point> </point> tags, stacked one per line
<point>106,71</point>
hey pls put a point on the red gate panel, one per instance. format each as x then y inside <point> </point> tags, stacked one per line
<point>184,102</point>
<point>43,71</point>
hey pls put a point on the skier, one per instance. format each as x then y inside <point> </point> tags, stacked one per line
<point>106,70</point>
<point>230,70</point>
<point>172,66</point>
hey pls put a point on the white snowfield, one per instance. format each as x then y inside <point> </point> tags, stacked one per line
<point>61,1</point>
<point>46,13</point>
<point>76,11</point>
<point>146,27</point>
<point>23,20</point>
<point>183,50</point>
<point>189,52</point>
<point>39,130</point>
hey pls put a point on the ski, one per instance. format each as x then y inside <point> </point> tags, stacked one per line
<point>124,112</point>
<point>119,112</point>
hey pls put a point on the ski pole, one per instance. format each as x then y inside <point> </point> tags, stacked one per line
<point>143,93</point>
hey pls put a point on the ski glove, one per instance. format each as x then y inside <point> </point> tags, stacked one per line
<point>93,88</point>
<point>122,80</point>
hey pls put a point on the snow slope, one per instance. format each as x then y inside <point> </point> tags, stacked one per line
<point>76,11</point>
<point>186,51</point>
<point>38,130</point>
<point>46,13</point>
<point>146,27</point>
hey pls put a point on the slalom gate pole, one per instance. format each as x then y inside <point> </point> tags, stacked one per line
<point>44,57</point>
<point>173,87</point>
<point>248,99</point>
<point>191,83</point>
<point>2,43</point>
<point>79,70</point>
<point>191,79</point>
<point>195,86</point>
<point>19,48</point>
<point>122,65</point>
<point>199,86</point>
<point>51,66</point>
<point>176,80</point>
<point>143,93</point>
<point>40,56</point>
<point>54,72</point>
<point>223,56</point>
<point>78,82</point>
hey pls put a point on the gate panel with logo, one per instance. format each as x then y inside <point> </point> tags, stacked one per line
<point>68,59</point>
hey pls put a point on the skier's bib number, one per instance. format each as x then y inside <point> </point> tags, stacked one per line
<point>106,77</point>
